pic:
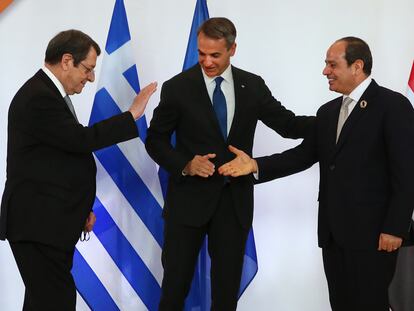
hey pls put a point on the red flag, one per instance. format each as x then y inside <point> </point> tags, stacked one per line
<point>411,80</point>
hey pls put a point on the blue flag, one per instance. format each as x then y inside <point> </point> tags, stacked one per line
<point>199,297</point>
<point>119,268</point>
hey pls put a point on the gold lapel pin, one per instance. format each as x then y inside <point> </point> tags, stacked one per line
<point>363,104</point>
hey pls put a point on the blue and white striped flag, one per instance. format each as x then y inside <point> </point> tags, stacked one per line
<point>119,268</point>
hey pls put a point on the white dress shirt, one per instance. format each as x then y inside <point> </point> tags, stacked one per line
<point>357,93</point>
<point>55,81</point>
<point>227,87</point>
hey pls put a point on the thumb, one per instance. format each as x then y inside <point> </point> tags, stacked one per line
<point>236,151</point>
<point>210,156</point>
<point>379,243</point>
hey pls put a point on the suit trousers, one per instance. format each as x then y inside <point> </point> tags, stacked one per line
<point>46,275</point>
<point>226,245</point>
<point>358,280</point>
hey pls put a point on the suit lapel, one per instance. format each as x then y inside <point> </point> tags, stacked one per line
<point>240,87</point>
<point>356,114</point>
<point>49,83</point>
<point>201,96</point>
<point>333,120</point>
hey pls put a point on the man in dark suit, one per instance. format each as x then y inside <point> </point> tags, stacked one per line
<point>366,172</point>
<point>209,106</point>
<point>50,186</point>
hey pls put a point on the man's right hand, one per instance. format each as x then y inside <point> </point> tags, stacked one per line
<point>200,166</point>
<point>241,165</point>
<point>140,101</point>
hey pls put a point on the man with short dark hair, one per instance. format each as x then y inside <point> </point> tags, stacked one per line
<point>50,186</point>
<point>364,143</point>
<point>209,106</point>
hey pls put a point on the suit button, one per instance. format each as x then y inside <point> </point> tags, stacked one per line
<point>332,167</point>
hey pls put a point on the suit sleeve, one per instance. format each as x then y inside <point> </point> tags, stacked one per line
<point>163,124</point>
<point>48,121</point>
<point>290,161</point>
<point>277,117</point>
<point>399,137</point>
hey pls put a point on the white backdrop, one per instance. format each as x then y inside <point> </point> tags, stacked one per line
<point>283,41</point>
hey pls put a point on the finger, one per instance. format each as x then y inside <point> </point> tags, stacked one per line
<point>226,171</point>
<point>235,150</point>
<point>205,170</point>
<point>231,171</point>
<point>209,156</point>
<point>222,169</point>
<point>202,174</point>
<point>206,167</point>
<point>383,246</point>
<point>150,88</point>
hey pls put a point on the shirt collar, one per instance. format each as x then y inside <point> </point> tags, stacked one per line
<point>227,75</point>
<point>55,80</point>
<point>356,94</point>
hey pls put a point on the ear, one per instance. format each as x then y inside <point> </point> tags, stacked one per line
<point>233,49</point>
<point>358,66</point>
<point>67,61</point>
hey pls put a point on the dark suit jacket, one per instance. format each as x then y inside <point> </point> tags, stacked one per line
<point>50,186</point>
<point>366,179</point>
<point>185,108</point>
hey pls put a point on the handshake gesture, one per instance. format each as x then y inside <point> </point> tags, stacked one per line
<point>203,167</point>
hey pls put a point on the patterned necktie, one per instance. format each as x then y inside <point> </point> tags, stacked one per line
<point>343,115</point>
<point>70,105</point>
<point>220,107</point>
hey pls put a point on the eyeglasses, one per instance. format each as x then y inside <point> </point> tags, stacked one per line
<point>88,70</point>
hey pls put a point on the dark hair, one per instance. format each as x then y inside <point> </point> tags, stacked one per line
<point>219,28</point>
<point>72,41</point>
<point>358,49</point>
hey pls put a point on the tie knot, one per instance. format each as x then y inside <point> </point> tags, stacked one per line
<point>346,101</point>
<point>218,81</point>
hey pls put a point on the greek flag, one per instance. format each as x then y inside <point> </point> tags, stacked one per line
<point>119,268</point>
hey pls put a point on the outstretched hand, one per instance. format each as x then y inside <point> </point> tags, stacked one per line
<point>242,164</point>
<point>140,101</point>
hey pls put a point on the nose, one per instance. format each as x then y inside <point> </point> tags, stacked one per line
<point>326,71</point>
<point>206,61</point>
<point>91,76</point>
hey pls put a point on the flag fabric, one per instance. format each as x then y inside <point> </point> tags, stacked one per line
<point>119,268</point>
<point>199,297</point>
<point>401,291</point>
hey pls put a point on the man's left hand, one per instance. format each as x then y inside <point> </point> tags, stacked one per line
<point>389,243</point>
<point>90,221</point>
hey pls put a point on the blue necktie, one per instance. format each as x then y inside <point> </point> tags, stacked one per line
<point>220,107</point>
